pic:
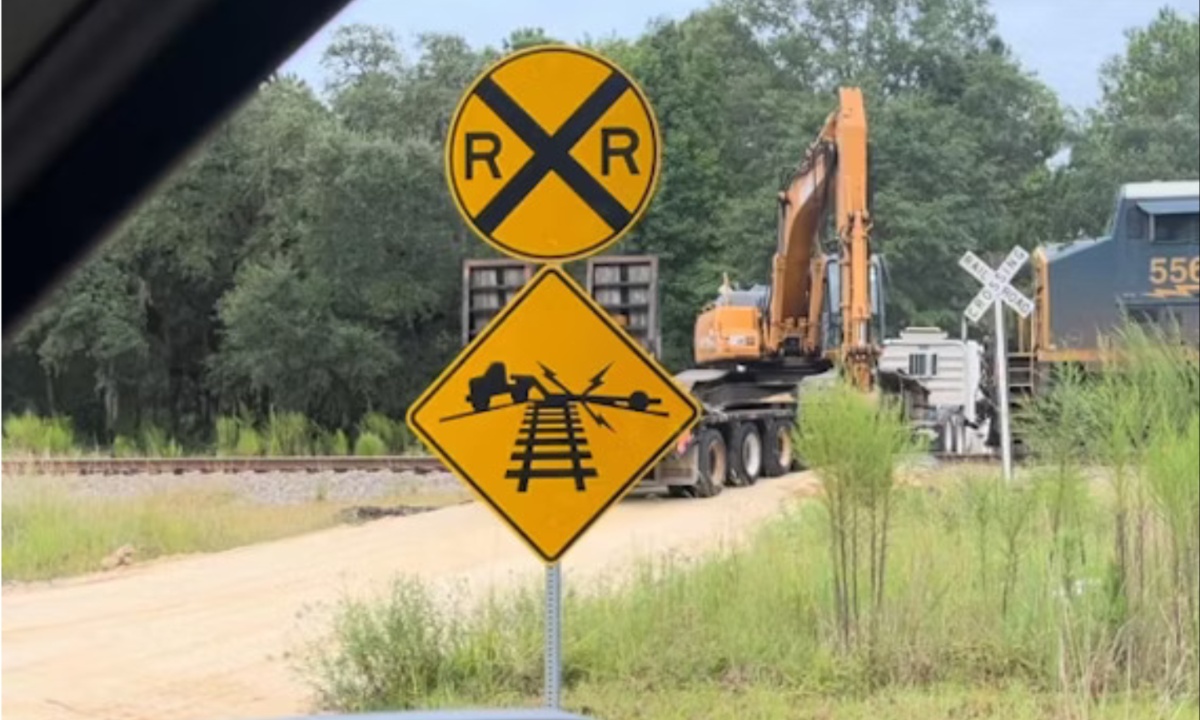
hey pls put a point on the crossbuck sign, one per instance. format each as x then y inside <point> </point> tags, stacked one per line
<point>996,284</point>
<point>997,292</point>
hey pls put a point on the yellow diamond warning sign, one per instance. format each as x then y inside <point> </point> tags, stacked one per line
<point>553,154</point>
<point>552,413</point>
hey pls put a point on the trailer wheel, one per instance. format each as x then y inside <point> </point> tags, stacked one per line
<point>777,448</point>
<point>712,463</point>
<point>745,453</point>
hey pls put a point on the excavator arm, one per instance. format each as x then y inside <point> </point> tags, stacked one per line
<point>785,321</point>
<point>837,156</point>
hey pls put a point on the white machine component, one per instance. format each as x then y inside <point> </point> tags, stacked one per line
<point>951,370</point>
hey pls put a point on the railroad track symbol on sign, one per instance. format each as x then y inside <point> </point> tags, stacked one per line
<point>552,441</point>
<point>552,413</point>
<point>553,154</point>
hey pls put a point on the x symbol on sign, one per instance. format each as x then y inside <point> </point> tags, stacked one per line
<point>552,152</point>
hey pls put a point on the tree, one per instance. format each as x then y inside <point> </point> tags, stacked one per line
<point>307,258</point>
<point>1146,127</point>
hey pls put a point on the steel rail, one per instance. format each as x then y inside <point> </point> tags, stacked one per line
<point>309,464</point>
<point>210,465</point>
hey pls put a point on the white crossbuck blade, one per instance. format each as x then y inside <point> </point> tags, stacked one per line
<point>995,284</point>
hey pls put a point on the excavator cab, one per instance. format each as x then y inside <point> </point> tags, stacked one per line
<point>730,328</point>
<point>831,314</point>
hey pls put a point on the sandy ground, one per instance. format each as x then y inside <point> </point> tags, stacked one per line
<point>209,636</point>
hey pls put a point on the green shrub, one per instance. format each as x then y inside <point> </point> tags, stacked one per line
<point>249,443</point>
<point>396,652</point>
<point>394,433</point>
<point>125,447</point>
<point>155,443</point>
<point>369,444</point>
<point>29,434</point>
<point>337,443</point>
<point>228,429</point>
<point>288,434</point>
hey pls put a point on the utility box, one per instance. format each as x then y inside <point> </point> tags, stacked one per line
<point>487,286</point>
<point>627,286</point>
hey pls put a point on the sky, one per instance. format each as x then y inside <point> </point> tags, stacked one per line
<point>1063,42</point>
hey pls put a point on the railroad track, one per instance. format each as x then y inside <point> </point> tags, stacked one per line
<point>955,459</point>
<point>210,465</point>
<point>392,463</point>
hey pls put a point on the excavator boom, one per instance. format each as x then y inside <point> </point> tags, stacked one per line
<point>789,324</point>
<point>853,227</point>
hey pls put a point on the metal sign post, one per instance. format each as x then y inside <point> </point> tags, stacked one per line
<point>553,656</point>
<point>997,292</point>
<point>1002,391</point>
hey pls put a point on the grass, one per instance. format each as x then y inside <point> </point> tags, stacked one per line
<point>1138,415</point>
<point>758,629</point>
<point>1070,593</point>
<point>49,532</point>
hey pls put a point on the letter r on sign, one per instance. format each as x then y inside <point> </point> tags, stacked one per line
<point>488,156</point>
<point>609,148</point>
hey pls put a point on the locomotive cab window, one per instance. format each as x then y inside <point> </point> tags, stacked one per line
<point>1176,228</point>
<point>1166,221</point>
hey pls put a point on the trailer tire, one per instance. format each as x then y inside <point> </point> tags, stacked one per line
<point>712,463</point>
<point>745,454</point>
<point>777,448</point>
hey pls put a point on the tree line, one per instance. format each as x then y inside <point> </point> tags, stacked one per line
<point>307,258</point>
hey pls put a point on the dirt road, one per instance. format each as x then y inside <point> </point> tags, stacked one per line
<point>207,636</point>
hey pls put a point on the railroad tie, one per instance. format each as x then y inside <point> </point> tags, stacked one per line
<point>551,435</point>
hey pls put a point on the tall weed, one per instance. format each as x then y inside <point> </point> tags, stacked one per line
<point>336,443</point>
<point>249,443</point>
<point>288,434</point>
<point>228,428</point>
<point>1133,415</point>
<point>29,434</point>
<point>854,443</point>
<point>156,443</point>
<point>125,447</point>
<point>394,433</point>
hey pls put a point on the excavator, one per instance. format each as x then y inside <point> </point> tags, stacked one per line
<point>821,314</point>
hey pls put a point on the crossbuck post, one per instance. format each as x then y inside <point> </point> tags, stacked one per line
<point>997,292</point>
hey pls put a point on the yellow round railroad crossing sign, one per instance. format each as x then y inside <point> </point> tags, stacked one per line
<point>553,154</point>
